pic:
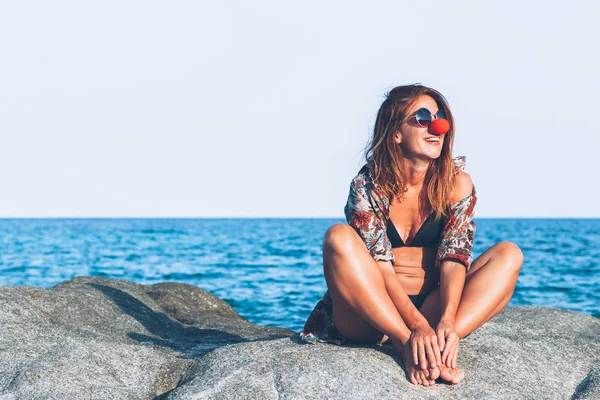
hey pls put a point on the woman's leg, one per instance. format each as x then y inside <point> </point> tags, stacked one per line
<point>489,285</point>
<point>362,308</point>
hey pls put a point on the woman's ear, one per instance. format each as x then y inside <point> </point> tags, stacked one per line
<point>398,137</point>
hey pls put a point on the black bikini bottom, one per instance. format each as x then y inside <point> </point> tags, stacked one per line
<point>418,299</point>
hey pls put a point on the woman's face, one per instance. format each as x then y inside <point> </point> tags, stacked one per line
<point>412,137</point>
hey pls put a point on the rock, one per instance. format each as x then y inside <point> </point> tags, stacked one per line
<point>523,353</point>
<point>98,338</point>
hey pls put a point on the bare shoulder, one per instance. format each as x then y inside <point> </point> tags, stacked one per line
<point>463,186</point>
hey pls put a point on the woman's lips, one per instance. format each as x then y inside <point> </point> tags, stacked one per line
<point>433,143</point>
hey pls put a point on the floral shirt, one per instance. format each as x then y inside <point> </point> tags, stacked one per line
<point>368,212</point>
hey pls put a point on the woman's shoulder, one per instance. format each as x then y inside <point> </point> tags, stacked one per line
<point>365,184</point>
<point>364,177</point>
<point>463,184</point>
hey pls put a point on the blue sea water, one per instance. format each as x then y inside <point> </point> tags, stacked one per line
<point>270,270</point>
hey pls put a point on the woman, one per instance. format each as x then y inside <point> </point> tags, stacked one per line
<point>401,268</point>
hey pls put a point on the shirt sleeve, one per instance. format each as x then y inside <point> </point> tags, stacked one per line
<point>363,215</point>
<point>459,233</point>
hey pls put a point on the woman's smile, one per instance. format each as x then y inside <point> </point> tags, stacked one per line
<point>434,141</point>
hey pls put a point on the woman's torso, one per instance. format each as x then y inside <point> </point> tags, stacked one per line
<point>415,236</point>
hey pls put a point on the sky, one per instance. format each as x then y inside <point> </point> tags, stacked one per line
<point>263,108</point>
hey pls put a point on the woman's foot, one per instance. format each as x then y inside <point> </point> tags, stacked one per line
<point>416,375</point>
<point>452,375</point>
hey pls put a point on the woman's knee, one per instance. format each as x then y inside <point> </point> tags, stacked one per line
<point>339,238</point>
<point>512,255</point>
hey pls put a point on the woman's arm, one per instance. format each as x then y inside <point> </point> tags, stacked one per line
<point>459,237</point>
<point>409,313</point>
<point>423,340</point>
<point>452,282</point>
<point>454,259</point>
<point>459,230</point>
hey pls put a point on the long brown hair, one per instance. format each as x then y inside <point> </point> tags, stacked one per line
<point>385,157</point>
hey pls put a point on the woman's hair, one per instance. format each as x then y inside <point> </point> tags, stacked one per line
<point>385,156</point>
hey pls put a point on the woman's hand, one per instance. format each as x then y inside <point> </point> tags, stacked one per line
<point>448,342</point>
<point>424,344</point>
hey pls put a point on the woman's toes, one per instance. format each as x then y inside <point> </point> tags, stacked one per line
<point>413,379</point>
<point>445,374</point>
<point>434,373</point>
<point>458,375</point>
<point>418,378</point>
<point>423,378</point>
<point>427,380</point>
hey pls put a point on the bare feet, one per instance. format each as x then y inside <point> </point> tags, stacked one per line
<point>427,377</point>
<point>416,375</point>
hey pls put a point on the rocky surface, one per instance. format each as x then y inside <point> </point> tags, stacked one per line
<point>524,353</point>
<point>98,338</point>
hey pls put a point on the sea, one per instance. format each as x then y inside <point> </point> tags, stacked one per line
<point>270,269</point>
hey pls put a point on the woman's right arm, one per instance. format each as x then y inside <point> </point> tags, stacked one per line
<point>423,339</point>
<point>410,314</point>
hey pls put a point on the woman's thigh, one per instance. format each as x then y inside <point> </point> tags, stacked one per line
<point>351,325</point>
<point>347,321</point>
<point>431,308</point>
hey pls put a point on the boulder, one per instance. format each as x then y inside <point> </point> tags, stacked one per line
<point>100,338</point>
<point>523,353</point>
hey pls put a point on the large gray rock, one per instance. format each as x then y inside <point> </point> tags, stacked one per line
<point>97,338</point>
<point>523,353</point>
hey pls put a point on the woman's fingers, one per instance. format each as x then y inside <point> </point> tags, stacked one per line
<point>447,348</point>
<point>415,352</point>
<point>422,358</point>
<point>441,339</point>
<point>446,355</point>
<point>455,356</point>
<point>436,350</point>
<point>430,354</point>
<point>449,357</point>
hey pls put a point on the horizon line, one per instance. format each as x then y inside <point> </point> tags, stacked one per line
<point>271,217</point>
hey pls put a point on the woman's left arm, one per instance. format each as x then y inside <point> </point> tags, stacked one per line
<point>454,259</point>
<point>452,282</point>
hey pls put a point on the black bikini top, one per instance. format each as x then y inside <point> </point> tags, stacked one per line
<point>428,235</point>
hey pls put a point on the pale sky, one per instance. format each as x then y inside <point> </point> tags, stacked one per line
<point>262,109</point>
